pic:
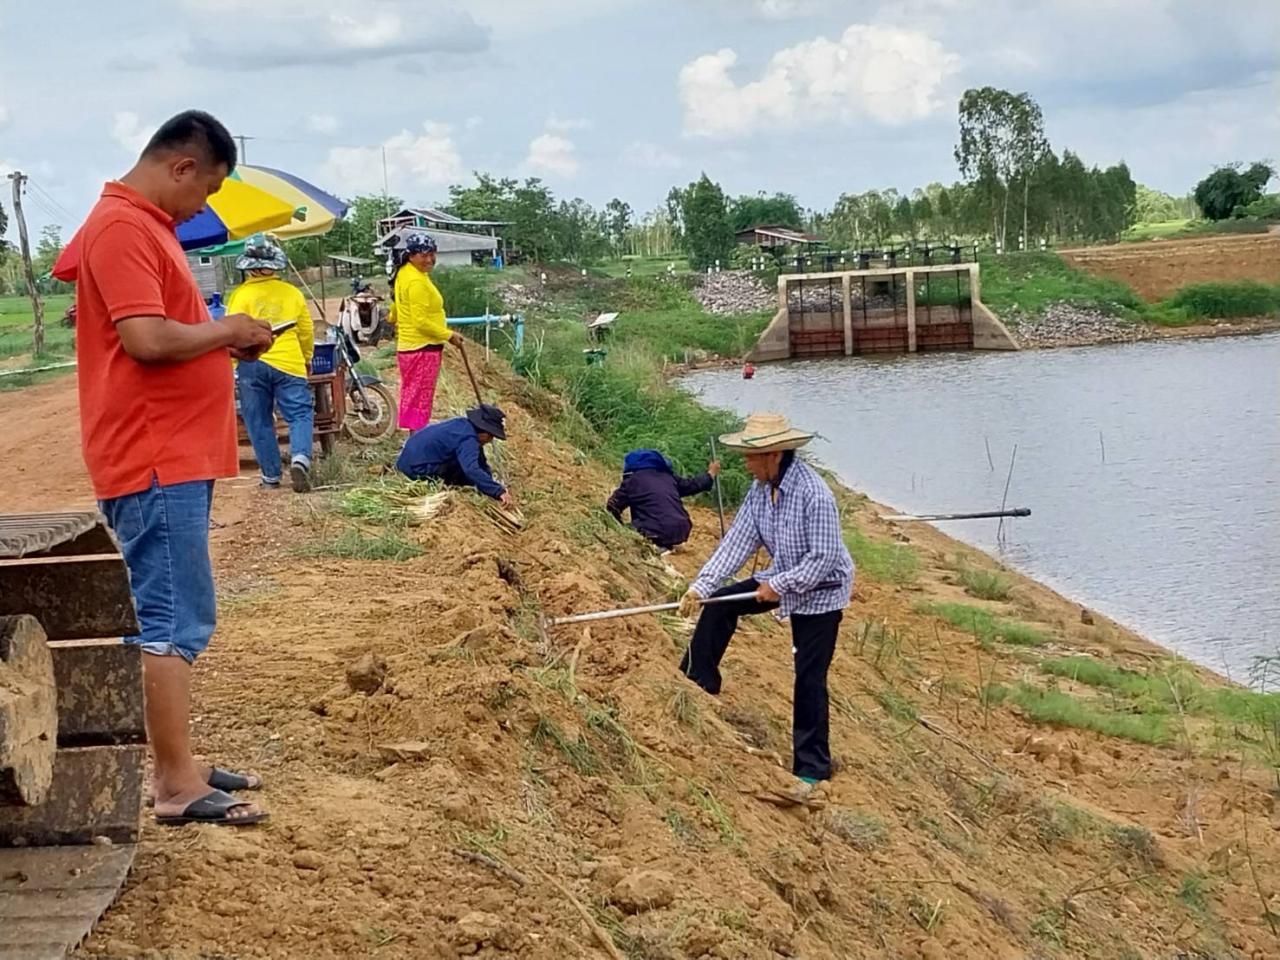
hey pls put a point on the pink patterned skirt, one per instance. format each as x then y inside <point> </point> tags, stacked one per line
<point>419,370</point>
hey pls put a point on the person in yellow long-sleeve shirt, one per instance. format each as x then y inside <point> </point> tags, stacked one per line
<point>278,378</point>
<point>421,331</point>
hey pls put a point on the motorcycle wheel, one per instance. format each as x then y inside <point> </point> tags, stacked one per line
<point>373,421</point>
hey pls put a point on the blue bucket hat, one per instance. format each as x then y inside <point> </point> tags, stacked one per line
<point>489,419</point>
<point>262,252</point>
<point>419,243</point>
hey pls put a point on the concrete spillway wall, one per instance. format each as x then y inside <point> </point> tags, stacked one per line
<point>884,310</point>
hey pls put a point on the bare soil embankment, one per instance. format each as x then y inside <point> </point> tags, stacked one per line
<point>498,781</point>
<point>1158,268</point>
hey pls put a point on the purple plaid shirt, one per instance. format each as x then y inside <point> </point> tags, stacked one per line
<point>810,566</point>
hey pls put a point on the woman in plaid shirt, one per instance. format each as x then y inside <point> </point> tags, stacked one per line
<point>791,512</point>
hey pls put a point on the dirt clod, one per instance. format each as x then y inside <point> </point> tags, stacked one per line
<point>367,674</point>
<point>644,890</point>
<point>308,860</point>
<point>405,750</point>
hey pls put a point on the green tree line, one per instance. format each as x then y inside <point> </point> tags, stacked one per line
<point>1014,189</point>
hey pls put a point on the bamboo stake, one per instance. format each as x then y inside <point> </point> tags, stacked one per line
<point>719,497</point>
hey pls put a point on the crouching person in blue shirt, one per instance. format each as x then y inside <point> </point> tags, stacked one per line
<point>453,451</point>
<point>791,512</point>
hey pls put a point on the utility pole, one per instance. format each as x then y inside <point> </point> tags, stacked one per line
<point>242,138</point>
<point>37,310</point>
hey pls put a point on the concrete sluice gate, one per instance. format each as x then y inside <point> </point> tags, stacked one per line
<point>882,310</point>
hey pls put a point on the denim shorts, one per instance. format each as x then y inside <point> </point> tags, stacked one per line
<point>164,535</point>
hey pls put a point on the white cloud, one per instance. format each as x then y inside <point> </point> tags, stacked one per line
<point>325,123</point>
<point>564,125</point>
<point>781,9</point>
<point>4,116</point>
<point>342,33</point>
<point>130,132</point>
<point>884,73</point>
<point>472,122</point>
<point>367,32</point>
<point>413,161</point>
<point>642,153</point>
<point>551,154</point>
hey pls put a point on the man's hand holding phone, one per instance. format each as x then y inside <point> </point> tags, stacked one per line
<point>249,337</point>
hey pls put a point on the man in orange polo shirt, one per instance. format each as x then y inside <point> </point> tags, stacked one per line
<point>157,419</point>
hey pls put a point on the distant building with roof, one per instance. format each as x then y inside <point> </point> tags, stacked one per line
<point>770,235</point>
<point>459,242</point>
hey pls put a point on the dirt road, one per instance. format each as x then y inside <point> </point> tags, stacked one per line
<point>42,468</point>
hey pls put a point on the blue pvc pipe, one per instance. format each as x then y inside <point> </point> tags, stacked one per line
<point>517,320</point>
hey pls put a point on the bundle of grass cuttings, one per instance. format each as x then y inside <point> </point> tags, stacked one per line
<point>395,501</point>
<point>506,519</point>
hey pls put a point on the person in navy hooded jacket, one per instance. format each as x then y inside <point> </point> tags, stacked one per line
<point>652,490</point>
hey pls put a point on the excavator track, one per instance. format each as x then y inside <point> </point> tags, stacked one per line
<point>72,739</point>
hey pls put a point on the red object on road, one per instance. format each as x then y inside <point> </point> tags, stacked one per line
<point>748,371</point>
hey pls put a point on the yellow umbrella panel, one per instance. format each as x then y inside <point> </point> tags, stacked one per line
<point>315,211</point>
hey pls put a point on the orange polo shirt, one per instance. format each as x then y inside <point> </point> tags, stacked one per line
<point>175,422</point>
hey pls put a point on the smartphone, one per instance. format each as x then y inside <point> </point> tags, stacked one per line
<point>280,328</point>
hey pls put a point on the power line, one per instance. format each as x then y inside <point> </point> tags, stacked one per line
<point>52,200</point>
<point>45,208</point>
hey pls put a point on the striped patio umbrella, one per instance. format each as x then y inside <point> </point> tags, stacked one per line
<point>315,211</point>
<point>236,211</point>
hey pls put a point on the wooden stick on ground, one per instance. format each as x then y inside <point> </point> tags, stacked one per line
<point>577,652</point>
<point>952,738</point>
<point>599,932</point>
<point>497,866</point>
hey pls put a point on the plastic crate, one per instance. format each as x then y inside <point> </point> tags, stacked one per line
<point>322,361</point>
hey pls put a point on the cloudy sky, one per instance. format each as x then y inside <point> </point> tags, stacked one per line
<point>624,98</point>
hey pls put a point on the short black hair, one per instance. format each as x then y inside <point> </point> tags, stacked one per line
<point>195,128</point>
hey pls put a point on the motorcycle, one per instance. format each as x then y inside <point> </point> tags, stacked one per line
<point>363,316</point>
<point>371,408</point>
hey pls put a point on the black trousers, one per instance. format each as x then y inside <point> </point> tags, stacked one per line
<point>813,641</point>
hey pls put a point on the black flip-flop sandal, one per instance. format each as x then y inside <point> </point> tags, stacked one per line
<point>214,808</point>
<point>229,781</point>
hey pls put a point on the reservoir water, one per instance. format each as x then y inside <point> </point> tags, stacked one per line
<point>1152,469</point>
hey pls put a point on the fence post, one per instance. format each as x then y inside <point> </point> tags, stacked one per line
<point>846,299</point>
<point>911,311</point>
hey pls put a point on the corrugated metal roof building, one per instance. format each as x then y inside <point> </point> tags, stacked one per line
<point>453,248</point>
<point>771,235</point>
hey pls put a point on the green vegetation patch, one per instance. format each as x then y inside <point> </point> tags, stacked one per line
<point>985,625</point>
<point>1055,708</point>
<point>1169,686</point>
<point>985,584</point>
<point>354,544</point>
<point>1243,298</point>
<point>882,560</point>
<point>625,400</point>
<point>1029,282</point>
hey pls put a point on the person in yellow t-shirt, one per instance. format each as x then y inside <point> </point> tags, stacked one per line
<point>417,313</point>
<point>278,378</point>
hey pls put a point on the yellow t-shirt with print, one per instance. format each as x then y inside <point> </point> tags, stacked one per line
<point>273,300</point>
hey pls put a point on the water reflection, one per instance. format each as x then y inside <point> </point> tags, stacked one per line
<point>1153,469</point>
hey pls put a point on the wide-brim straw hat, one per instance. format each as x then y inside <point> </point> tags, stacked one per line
<point>765,433</point>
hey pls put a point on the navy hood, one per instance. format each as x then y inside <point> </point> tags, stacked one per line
<point>646,460</point>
